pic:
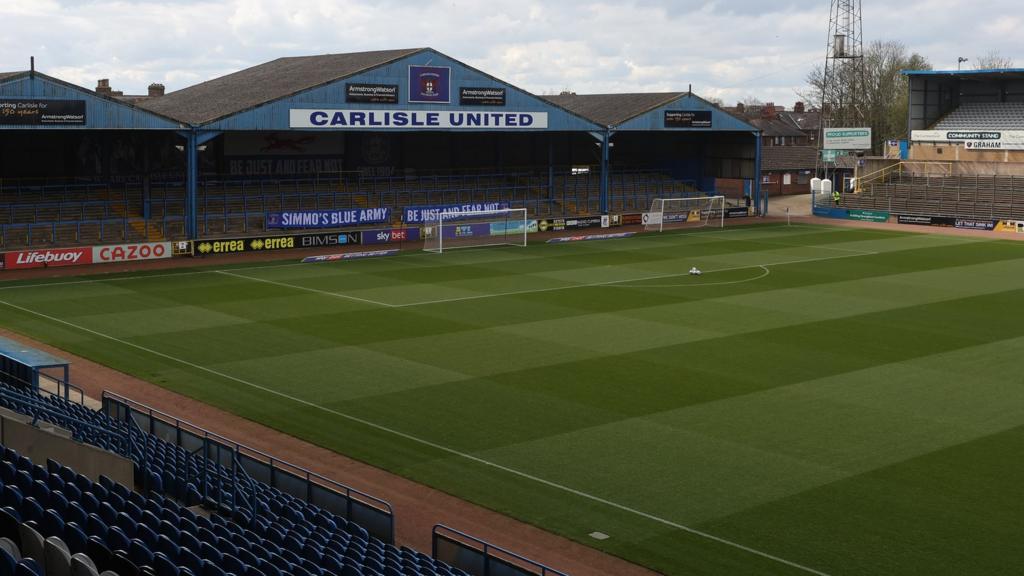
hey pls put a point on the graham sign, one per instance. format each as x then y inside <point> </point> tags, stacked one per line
<point>847,139</point>
<point>415,119</point>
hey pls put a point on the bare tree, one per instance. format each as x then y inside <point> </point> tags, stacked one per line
<point>992,61</point>
<point>884,103</point>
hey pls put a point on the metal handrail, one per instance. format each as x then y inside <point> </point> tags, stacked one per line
<point>487,547</point>
<point>272,461</point>
<point>61,418</point>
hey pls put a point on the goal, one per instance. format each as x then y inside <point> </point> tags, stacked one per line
<point>445,230</point>
<point>693,212</point>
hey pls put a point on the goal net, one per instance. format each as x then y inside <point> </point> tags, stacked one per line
<point>447,230</point>
<point>693,212</point>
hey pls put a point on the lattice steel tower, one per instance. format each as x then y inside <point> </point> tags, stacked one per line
<point>843,86</point>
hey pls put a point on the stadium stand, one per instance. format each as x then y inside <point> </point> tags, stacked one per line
<point>52,515</point>
<point>72,213</point>
<point>984,116</point>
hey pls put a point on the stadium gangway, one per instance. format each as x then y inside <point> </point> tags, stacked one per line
<point>481,558</point>
<point>374,514</point>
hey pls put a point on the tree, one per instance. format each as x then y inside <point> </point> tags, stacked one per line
<point>993,61</point>
<point>883,100</point>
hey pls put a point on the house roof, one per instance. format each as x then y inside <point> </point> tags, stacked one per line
<point>775,127</point>
<point>613,109</point>
<point>4,75</point>
<point>274,80</point>
<point>776,158</point>
<point>810,120</point>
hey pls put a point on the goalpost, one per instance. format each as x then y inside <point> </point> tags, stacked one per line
<point>447,230</point>
<point>693,212</point>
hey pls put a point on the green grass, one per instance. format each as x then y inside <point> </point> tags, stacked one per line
<point>855,406</point>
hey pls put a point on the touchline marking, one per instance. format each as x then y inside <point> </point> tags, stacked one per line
<point>313,290</point>
<point>428,443</point>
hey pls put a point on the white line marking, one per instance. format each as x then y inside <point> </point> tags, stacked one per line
<point>313,290</point>
<point>429,443</point>
<point>616,282</point>
<point>766,272</point>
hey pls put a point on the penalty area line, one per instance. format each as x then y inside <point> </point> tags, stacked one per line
<point>428,443</point>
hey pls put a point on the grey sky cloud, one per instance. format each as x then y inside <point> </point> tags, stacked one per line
<point>725,49</point>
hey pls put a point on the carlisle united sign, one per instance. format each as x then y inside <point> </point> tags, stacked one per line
<point>415,120</point>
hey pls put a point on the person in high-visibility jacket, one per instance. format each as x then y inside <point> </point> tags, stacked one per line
<point>835,197</point>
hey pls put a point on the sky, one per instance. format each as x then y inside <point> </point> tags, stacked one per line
<point>731,50</point>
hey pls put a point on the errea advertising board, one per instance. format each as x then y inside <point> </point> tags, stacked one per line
<point>847,139</point>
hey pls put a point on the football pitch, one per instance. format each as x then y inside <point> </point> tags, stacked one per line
<point>821,400</point>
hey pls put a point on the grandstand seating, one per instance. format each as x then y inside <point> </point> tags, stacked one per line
<point>984,116</point>
<point>974,197</point>
<point>158,534</point>
<point>82,213</point>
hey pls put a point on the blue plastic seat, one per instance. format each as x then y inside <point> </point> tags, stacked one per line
<point>75,537</point>
<point>95,526</point>
<point>209,552</point>
<point>24,481</point>
<point>163,566</point>
<point>147,535</point>
<point>188,540</point>
<point>166,546</point>
<point>209,569</point>
<point>108,513</point>
<point>126,523</point>
<point>167,529</point>
<point>9,521</point>
<point>28,567</point>
<point>7,472</point>
<point>39,473</point>
<point>12,496</point>
<point>117,539</point>
<point>96,549</point>
<point>72,493</point>
<point>139,553</point>
<point>232,564</point>
<point>52,524</point>
<point>190,560</point>
<point>89,502</point>
<point>31,510</point>
<point>122,565</point>
<point>7,563</point>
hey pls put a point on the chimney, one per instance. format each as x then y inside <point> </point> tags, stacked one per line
<point>768,110</point>
<point>740,107</point>
<point>103,86</point>
<point>156,90</point>
<point>798,107</point>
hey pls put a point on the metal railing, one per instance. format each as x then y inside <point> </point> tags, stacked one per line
<point>374,514</point>
<point>481,558</point>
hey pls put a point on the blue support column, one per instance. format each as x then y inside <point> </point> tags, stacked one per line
<point>551,167</point>
<point>760,202</point>
<point>191,185</point>
<point>605,145</point>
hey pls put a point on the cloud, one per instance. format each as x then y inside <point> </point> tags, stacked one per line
<point>728,49</point>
